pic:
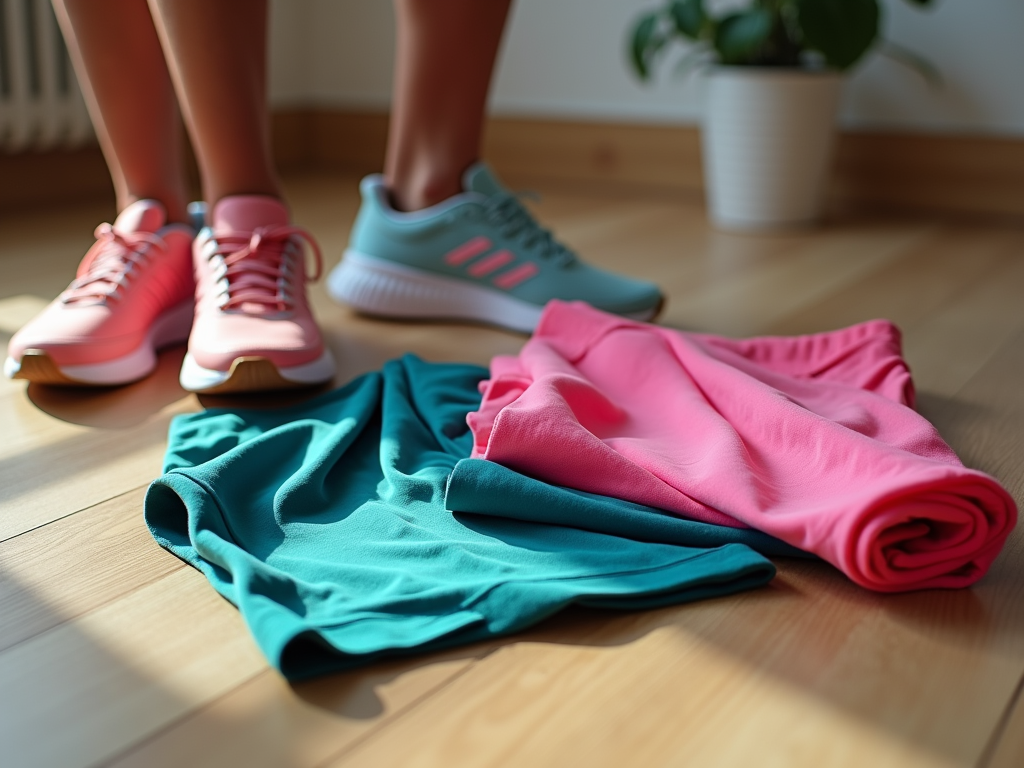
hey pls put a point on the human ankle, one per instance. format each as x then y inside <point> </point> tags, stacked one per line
<point>246,213</point>
<point>175,208</point>
<point>417,193</point>
<point>215,189</point>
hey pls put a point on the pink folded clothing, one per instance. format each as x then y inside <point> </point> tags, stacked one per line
<point>812,439</point>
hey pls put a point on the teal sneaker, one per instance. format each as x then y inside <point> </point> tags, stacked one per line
<point>476,256</point>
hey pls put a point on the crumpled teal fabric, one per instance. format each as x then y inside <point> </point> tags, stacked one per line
<point>487,488</point>
<point>326,525</point>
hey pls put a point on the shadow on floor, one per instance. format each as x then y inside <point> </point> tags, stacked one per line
<point>115,407</point>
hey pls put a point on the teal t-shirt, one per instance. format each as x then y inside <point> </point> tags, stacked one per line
<point>326,525</point>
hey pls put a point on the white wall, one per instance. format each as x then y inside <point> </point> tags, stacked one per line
<point>566,58</point>
<point>289,62</point>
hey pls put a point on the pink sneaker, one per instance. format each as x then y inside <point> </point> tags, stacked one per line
<point>253,328</point>
<point>132,296</point>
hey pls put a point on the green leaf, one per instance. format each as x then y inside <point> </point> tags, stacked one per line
<point>646,43</point>
<point>689,17</point>
<point>739,36</point>
<point>842,30</point>
<point>908,58</point>
<point>691,60</point>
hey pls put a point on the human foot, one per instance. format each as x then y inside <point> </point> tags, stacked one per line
<point>477,256</point>
<point>132,295</point>
<point>253,326</point>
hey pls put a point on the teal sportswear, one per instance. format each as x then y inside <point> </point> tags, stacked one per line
<point>326,525</point>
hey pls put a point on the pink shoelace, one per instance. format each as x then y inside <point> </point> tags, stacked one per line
<point>108,265</point>
<point>258,268</point>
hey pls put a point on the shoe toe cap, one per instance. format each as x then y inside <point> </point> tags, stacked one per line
<point>78,336</point>
<point>218,341</point>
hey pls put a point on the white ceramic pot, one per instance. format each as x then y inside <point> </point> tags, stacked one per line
<point>767,144</point>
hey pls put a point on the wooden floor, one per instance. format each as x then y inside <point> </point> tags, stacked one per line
<point>112,652</point>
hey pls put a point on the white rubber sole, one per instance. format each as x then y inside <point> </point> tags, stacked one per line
<point>172,327</point>
<point>196,378</point>
<point>381,287</point>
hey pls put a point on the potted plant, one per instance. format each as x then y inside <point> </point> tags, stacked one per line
<point>773,94</point>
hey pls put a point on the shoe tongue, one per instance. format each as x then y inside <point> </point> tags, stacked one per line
<point>141,216</point>
<point>479,178</point>
<point>244,213</point>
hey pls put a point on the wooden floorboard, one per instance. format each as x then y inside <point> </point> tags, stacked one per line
<point>1008,743</point>
<point>935,271</point>
<point>807,672</point>
<point>122,672</point>
<point>968,329</point>
<point>266,723</point>
<point>64,465</point>
<point>820,673</point>
<point>749,287</point>
<point>75,565</point>
<point>112,652</point>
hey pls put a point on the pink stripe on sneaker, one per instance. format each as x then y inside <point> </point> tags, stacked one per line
<point>467,251</point>
<point>514,277</point>
<point>490,263</point>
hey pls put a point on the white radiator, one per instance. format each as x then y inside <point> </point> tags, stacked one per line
<point>41,106</point>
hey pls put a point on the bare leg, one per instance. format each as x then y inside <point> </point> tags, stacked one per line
<point>446,54</point>
<point>117,56</point>
<point>217,52</point>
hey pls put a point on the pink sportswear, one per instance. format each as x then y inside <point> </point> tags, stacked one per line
<point>812,439</point>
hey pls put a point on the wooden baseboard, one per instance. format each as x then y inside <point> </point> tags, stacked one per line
<point>975,176</point>
<point>31,179</point>
<point>960,176</point>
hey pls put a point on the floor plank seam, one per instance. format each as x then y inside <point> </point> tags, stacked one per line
<point>1011,340</point>
<point>1006,265</point>
<point>402,712</point>
<point>1002,264</point>
<point>174,723</point>
<point>171,725</point>
<point>985,759</point>
<point>906,253</point>
<point>95,608</point>
<point>77,511</point>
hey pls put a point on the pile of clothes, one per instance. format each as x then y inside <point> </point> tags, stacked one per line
<point>611,463</point>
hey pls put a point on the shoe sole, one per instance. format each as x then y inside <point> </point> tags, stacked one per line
<point>39,367</point>
<point>254,373</point>
<point>380,287</point>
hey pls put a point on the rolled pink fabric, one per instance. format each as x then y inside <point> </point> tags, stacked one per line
<point>812,439</point>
